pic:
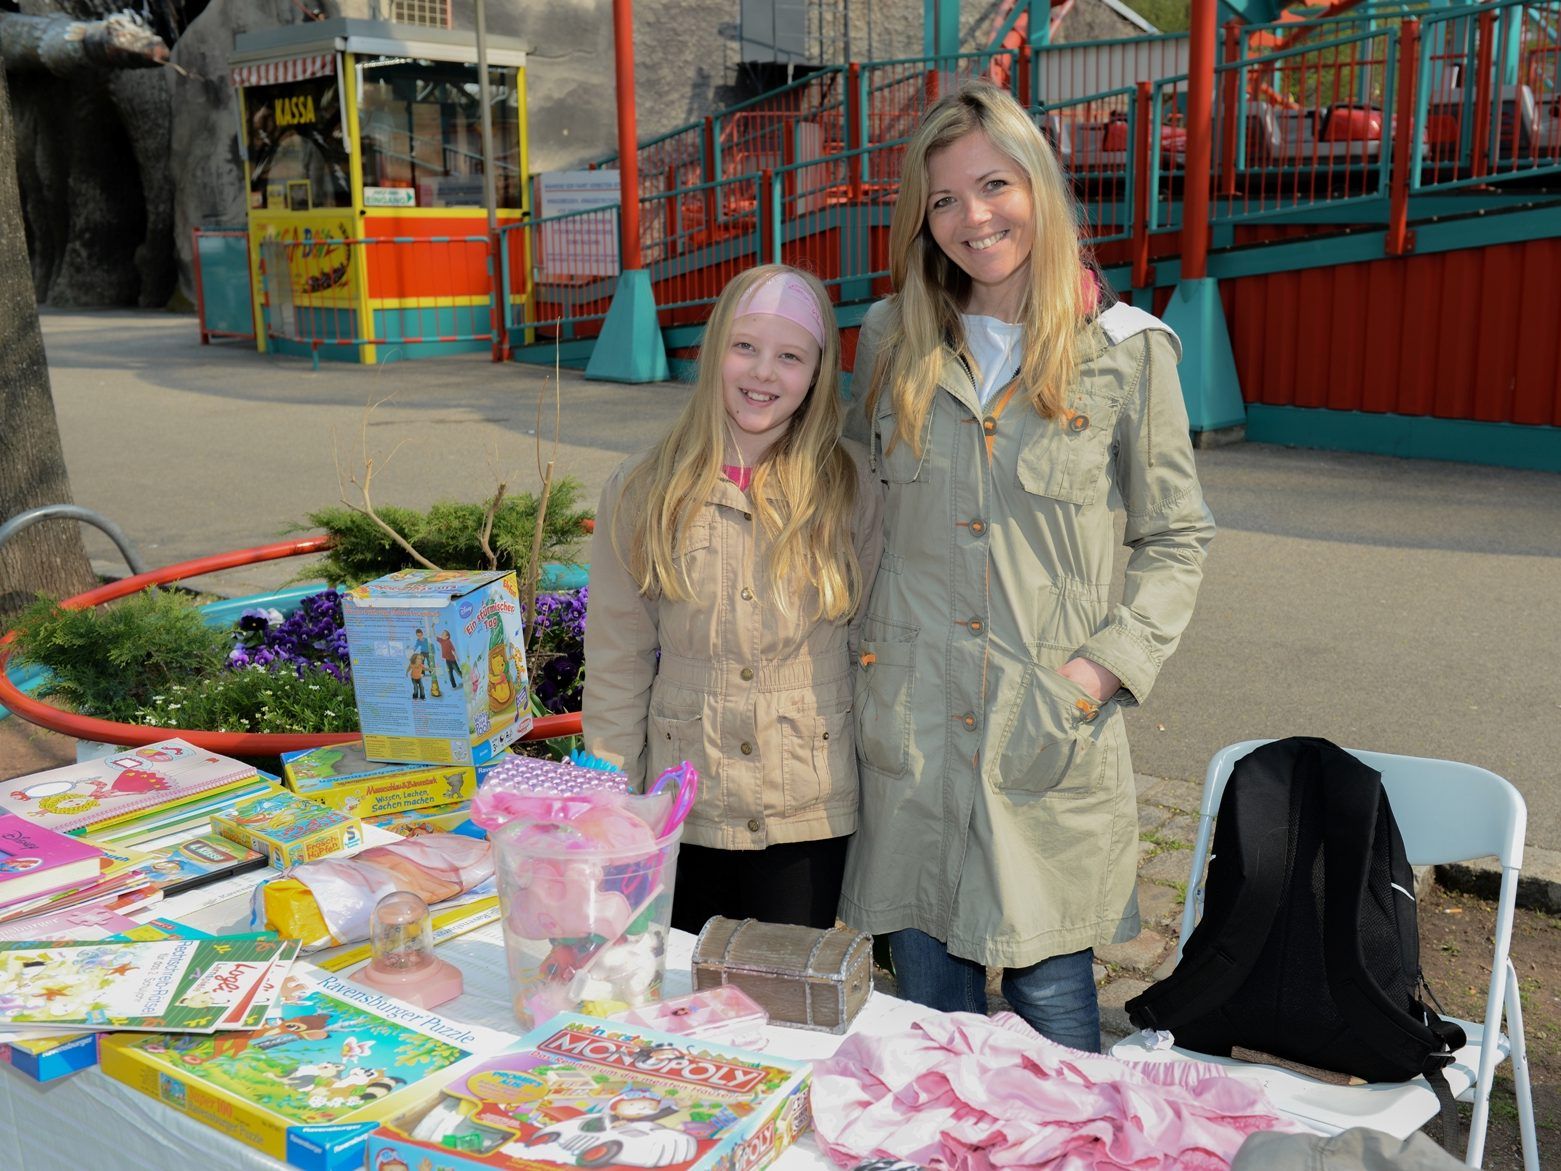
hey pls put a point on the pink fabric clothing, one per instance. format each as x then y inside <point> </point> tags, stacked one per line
<point>741,476</point>
<point>968,1093</point>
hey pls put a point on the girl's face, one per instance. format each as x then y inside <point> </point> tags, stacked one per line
<point>981,213</point>
<point>766,372</point>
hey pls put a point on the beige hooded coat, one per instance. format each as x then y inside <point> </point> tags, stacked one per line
<point>998,810</point>
<point>758,699</point>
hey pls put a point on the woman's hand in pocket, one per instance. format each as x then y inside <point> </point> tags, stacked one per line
<point>1099,683</point>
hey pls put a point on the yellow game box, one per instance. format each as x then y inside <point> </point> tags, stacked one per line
<point>289,829</point>
<point>343,778</point>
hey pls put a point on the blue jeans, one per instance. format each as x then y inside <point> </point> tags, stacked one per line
<point>1056,996</point>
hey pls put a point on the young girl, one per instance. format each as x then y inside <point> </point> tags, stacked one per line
<point>727,566</point>
<point>1005,412</point>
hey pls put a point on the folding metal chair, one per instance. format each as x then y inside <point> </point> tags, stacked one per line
<point>1446,812</point>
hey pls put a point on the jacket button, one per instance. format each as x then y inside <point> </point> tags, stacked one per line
<point>989,425</point>
<point>747,516</point>
<point>753,825</point>
<point>826,735</point>
<point>746,748</point>
<point>976,626</point>
<point>977,527</point>
<point>747,594</point>
<point>969,720</point>
<point>1079,423</point>
<point>746,673</point>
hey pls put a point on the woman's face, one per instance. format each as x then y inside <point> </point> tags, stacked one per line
<point>981,213</point>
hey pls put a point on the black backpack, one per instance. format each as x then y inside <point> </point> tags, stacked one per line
<point>1308,948</point>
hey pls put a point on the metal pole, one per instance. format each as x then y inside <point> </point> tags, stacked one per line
<point>628,146</point>
<point>1200,134</point>
<point>489,192</point>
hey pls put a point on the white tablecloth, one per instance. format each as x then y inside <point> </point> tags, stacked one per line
<point>89,1122</point>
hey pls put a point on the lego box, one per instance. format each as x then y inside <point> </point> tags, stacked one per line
<point>438,665</point>
<point>343,778</point>
<point>289,829</point>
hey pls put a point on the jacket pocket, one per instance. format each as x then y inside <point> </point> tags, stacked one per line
<point>1048,741</point>
<point>885,679</point>
<point>818,767</point>
<point>900,465</point>
<point>1065,458</point>
<point>674,739</point>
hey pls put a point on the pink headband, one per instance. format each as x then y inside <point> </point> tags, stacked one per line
<point>785,295</point>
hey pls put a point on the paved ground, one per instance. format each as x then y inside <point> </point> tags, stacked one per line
<point>1392,604</point>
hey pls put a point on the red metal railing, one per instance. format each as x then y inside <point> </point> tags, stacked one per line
<point>434,289</point>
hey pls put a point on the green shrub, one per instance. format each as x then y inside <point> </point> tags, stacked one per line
<point>254,699</point>
<point>449,535</point>
<point>108,661</point>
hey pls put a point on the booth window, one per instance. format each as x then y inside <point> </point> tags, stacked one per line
<point>297,154</point>
<point>422,130</point>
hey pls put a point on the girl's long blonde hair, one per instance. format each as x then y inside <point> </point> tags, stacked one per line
<point>803,490</point>
<point>931,290</point>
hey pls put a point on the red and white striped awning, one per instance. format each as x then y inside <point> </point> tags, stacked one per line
<point>275,72</point>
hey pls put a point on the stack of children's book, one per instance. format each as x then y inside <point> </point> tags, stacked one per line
<point>135,796</point>
<point>49,988</point>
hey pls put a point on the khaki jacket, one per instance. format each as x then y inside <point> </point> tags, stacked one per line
<point>998,810</point>
<point>758,700</point>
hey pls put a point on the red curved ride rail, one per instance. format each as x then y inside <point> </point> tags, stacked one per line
<point>228,743</point>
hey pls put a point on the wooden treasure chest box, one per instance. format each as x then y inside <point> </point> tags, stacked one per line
<point>806,977</point>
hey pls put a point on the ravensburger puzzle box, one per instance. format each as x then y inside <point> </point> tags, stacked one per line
<point>438,665</point>
<point>582,1092</point>
<point>309,1085</point>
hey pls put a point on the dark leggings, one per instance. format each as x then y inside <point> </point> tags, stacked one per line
<point>794,882</point>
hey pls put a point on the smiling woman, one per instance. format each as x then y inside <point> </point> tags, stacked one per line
<point>1006,404</point>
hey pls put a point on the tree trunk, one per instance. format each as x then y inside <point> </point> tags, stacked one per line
<point>49,557</point>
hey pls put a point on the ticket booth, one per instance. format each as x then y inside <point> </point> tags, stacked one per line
<point>363,167</point>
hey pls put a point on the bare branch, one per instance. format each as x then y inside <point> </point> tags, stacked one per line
<point>487,526</point>
<point>365,486</point>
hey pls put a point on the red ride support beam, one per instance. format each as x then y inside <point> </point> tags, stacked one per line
<point>1230,101</point>
<point>1200,140</point>
<point>1482,94</point>
<point>1400,240</point>
<point>854,141</point>
<point>628,133</point>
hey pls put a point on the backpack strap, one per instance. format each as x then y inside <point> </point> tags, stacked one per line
<point>1353,800</point>
<point>1252,839</point>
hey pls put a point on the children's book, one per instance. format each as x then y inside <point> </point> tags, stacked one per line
<point>100,793</point>
<point>35,860</point>
<point>314,1079</point>
<point>197,861</point>
<point>583,1092</point>
<point>168,984</point>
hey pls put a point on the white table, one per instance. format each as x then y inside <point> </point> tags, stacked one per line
<point>89,1122</point>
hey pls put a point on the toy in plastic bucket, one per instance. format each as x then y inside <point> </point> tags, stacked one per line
<point>585,884</point>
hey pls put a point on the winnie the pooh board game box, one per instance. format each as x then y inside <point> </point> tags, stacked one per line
<point>309,1084</point>
<point>582,1092</point>
<point>438,665</point>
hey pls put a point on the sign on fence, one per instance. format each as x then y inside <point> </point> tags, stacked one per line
<point>578,245</point>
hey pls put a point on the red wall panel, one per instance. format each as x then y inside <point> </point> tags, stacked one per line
<point>1470,334</point>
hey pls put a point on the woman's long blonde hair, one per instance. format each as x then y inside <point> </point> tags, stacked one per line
<point>803,490</point>
<point>931,290</point>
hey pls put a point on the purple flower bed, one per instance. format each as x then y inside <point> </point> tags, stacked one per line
<point>558,650</point>
<point>311,638</point>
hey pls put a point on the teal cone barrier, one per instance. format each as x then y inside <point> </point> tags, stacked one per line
<point>1208,369</point>
<point>630,348</point>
